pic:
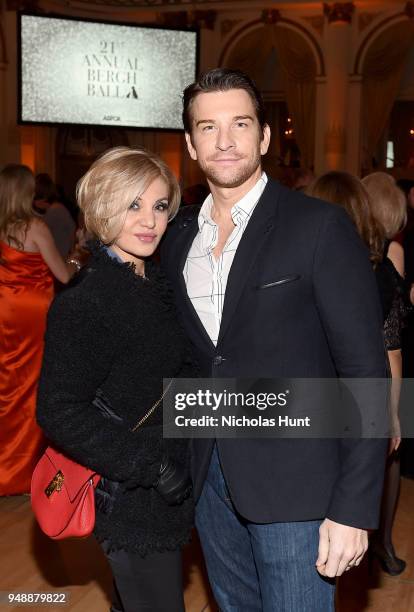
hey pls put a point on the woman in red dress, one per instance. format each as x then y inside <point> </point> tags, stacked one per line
<point>28,261</point>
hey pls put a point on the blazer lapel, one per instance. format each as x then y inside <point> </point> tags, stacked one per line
<point>189,232</point>
<point>261,223</point>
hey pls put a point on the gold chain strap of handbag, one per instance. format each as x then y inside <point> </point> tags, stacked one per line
<point>154,407</point>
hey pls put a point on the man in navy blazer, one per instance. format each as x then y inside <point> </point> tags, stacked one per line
<point>270,283</point>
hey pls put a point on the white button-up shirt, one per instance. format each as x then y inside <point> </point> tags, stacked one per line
<point>205,276</point>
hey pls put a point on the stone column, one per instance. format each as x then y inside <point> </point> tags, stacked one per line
<point>320,165</point>
<point>337,58</point>
<point>3,114</point>
<point>209,46</point>
<point>353,134</point>
<point>3,99</point>
<point>45,150</point>
<point>9,131</point>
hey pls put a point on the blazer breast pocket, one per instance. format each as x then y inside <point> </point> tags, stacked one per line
<point>280,281</point>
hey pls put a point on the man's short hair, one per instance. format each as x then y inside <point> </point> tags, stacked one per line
<point>222,79</point>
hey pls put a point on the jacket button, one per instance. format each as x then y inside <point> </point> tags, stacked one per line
<point>218,360</point>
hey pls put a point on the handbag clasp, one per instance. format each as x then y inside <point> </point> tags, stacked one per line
<point>55,484</point>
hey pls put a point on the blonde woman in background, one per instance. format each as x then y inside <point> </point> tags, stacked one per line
<point>388,207</point>
<point>377,218</point>
<point>29,260</point>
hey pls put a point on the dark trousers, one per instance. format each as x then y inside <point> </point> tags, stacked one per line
<point>146,584</point>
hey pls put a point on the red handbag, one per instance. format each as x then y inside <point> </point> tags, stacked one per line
<point>63,496</point>
<point>63,492</point>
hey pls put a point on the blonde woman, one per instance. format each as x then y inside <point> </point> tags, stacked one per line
<point>388,207</point>
<point>28,261</point>
<point>111,339</point>
<point>377,208</point>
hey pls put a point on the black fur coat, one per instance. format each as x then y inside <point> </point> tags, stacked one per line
<point>111,338</point>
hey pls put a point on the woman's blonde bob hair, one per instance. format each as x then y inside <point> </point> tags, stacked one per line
<point>114,181</point>
<point>388,203</point>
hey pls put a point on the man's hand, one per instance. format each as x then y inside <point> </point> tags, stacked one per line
<point>340,548</point>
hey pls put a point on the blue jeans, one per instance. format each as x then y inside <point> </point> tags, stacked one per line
<point>258,568</point>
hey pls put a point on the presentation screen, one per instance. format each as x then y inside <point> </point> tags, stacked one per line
<point>93,73</point>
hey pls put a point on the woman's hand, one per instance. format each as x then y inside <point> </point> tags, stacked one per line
<point>395,442</point>
<point>396,373</point>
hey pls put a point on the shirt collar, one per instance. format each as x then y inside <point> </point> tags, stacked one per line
<point>241,210</point>
<point>112,253</point>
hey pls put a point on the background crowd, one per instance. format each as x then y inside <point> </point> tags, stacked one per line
<point>40,236</point>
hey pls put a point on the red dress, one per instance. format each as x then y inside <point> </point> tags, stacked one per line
<point>26,290</point>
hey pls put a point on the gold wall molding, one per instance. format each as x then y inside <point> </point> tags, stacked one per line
<point>317,22</point>
<point>188,19</point>
<point>271,16</point>
<point>365,19</point>
<point>227,25</point>
<point>339,11</point>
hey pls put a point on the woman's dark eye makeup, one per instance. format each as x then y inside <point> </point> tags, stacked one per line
<point>159,205</point>
<point>162,205</point>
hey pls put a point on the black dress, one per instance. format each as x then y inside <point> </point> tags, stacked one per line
<point>111,339</point>
<point>394,301</point>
